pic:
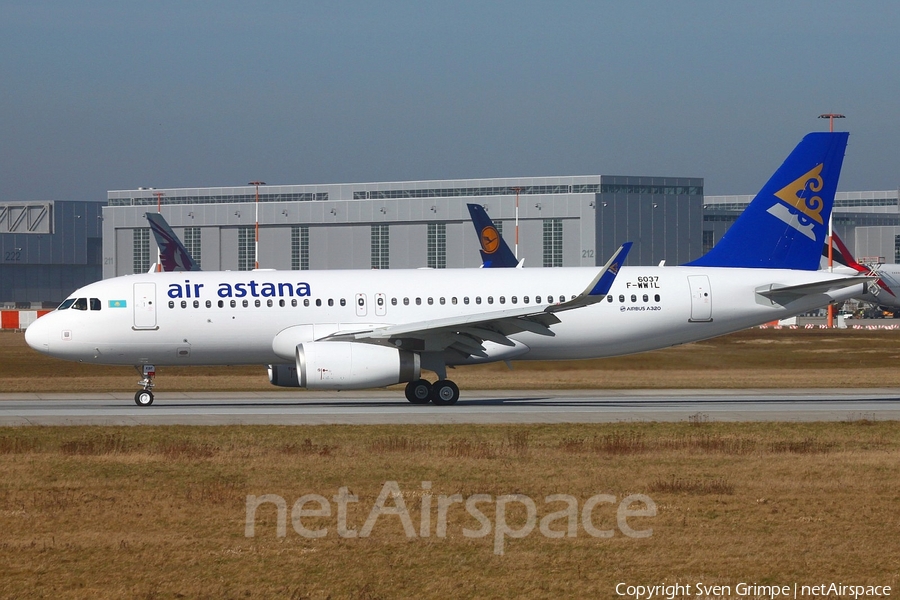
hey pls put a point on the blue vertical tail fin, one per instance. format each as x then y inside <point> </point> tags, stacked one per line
<point>785,225</point>
<point>172,253</point>
<point>494,251</point>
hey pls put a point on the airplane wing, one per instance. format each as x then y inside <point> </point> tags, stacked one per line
<point>466,334</point>
<point>784,294</point>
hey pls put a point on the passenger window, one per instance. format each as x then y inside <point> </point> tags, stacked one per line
<point>393,302</point>
<point>549,299</point>
<point>430,300</point>
<point>95,303</point>
<point>418,301</point>
<point>656,298</point>
<point>477,299</point>
<point>269,302</point>
<point>490,299</point>
<point>622,298</point>
<point>196,304</point>
<point>466,300</point>
<point>80,304</point>
<point>171,304</point>
<point>209,304</point>
<point>256,303</point>
<point>406,302</point>
<point>634,298</point>
<point>537,299</point>
<point>502,299</point>
<point>245,303</point>
<point>68,302</point>
<point>525,300</point>
<point>280,303</point>
<point>609,298</point>
<point>646,298</point>
<point>233,303</point>
<point>344,302</point>
<point>379,301</point>
<point>514,300</point>
<point>318,302</point>
<point>453,300</point>
<point>443,301</point>
<point>221,304</point>
<point>330,302</point>
<point>184,304</point>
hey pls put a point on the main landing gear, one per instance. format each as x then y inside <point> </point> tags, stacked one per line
<point>442,393</point>
<point>144,397</point>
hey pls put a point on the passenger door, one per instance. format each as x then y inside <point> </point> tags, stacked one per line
<point>701,299</point>
<point>145,306</point>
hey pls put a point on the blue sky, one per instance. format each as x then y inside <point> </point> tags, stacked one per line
<point>99,95</point>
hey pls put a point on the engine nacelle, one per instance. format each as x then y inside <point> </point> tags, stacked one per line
<point>353,365</point>
<point>283,375</point>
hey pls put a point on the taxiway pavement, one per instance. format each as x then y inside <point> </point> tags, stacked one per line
<point>485,407</point>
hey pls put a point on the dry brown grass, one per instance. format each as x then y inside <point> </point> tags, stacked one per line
<point>158,512</point>
<point>754,358</point>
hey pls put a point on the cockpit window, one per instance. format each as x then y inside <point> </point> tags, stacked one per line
<point>66,304</point>
<point>80,304</point>
<point>95,303</point>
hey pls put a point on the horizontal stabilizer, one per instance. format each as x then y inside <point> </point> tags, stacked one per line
<point>780,294</point>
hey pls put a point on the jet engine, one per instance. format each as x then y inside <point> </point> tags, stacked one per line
<point>347,366</point>
<point>283,376</point>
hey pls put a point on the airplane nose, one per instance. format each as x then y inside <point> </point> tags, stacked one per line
<point>37,335</point>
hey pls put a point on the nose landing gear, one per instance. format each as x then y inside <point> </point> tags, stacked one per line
<point>144,397</point>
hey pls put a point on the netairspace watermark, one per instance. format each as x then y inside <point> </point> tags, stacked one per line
<point>390,503</point>
<point>750,591</point>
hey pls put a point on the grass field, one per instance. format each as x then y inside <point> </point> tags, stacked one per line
<point>160,512</point>
<point>755,358</point>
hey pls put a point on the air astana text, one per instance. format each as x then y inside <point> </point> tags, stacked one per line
<point>252,288</point>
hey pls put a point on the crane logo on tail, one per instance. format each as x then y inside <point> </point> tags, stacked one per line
<point>801,195</point>
<point>490,239</point>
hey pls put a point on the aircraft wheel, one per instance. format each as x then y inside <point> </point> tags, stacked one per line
<point>143,398</point>
<point>418,392</point>
<point>444,393</point>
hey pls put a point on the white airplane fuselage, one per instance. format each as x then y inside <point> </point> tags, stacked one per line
<point>214,318</point>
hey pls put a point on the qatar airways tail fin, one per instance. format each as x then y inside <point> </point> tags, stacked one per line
<point>172,254</point>
<point>785,225</point>
<point>842,255</point>
<point>494,251</point>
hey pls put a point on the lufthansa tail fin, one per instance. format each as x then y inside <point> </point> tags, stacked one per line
<point>785,225</point>
<point>494,251</point>
<point>172,253</point>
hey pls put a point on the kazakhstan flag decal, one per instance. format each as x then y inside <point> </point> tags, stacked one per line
<point>117,304</point>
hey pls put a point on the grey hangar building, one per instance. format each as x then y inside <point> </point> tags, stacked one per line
<point>50,248</point>
<point>563,221</point>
